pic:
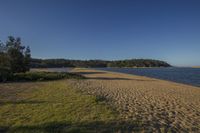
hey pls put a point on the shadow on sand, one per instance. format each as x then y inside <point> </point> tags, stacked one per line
<point>109,78</point>
<point>89,72</point>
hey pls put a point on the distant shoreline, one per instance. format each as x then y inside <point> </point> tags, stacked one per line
<point>196,67</point>
<point>96,67</point>
<point>50,63</point>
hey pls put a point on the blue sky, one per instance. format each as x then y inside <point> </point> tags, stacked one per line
<point>106,29</point>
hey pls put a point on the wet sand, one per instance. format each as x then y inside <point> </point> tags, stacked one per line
<point>161,106</point>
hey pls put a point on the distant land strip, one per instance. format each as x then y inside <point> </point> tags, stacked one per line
<point>196,67</point>
<point>52,63</point>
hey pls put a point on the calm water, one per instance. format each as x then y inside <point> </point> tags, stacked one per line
<point>189,76</point>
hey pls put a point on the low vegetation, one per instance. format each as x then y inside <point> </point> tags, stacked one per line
<point>43,76</point>
<point>45,107</point>
<point>39,76</point>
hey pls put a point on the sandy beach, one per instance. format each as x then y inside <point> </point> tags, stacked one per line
<point>161,106</point>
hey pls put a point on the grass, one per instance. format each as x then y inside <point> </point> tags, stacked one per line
<point>43,107</point>
<point>43,76</point>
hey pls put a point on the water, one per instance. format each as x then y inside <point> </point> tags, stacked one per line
<point>189,76</point>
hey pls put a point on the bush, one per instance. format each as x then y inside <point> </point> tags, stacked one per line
<point>5,74</point>
<point>42,76</point>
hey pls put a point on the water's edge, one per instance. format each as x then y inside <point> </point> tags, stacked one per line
<point>189,76</point>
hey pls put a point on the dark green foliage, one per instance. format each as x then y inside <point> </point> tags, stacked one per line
<point>138,63</point>
<point>39,63</point>
<point>19,60</point>
<point>27,59</point>
<point>43,76</point>
<point>51,63</point>
<point>4,58</point>
<point>5,74</point>
<point>13,56</point>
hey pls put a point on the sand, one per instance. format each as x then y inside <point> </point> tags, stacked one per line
<point>161,106</point>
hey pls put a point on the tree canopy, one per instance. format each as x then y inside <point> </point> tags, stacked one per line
<point>14,56</point>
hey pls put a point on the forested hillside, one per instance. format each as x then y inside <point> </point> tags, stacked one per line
<point>44,63</point>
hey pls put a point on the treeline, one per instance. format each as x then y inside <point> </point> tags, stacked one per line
<point>50,63</point>
<point>138,63</point>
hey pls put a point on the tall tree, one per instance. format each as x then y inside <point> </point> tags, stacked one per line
<point>19,60</point>
<point>13,58</point>
<point>15,53</point>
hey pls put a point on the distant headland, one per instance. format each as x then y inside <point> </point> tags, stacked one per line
<point>50,63</point>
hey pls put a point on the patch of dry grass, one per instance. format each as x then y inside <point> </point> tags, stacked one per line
<point>54,107</point>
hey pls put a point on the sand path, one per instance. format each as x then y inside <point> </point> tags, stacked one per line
<point>161,106</point>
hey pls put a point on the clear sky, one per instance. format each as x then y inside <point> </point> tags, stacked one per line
<point>106,29</point>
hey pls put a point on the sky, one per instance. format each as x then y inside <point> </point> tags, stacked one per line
<point>167,30</point>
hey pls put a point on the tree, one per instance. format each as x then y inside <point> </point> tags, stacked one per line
<point>13,56</point>
<point>2,47</point>
<point>27,59</point>
<point>15,53</point>
<point>4,63</point>
<point>4,59</point>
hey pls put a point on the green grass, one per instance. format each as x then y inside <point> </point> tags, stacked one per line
<point>43,76</point>
<point>43,107</point>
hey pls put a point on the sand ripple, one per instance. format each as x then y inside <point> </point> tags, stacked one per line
<point>161,106</point>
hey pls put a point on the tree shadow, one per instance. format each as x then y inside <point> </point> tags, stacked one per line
<point>89,72</point>
<point>116,78</point>
<point>21,102</point>
<point>83,127</point>
<point>107,78</point>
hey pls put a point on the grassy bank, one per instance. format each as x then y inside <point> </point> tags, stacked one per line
<point>53,107</point>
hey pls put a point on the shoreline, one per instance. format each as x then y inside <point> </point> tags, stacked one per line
<point>159,104</point>
<point>174,82</point>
